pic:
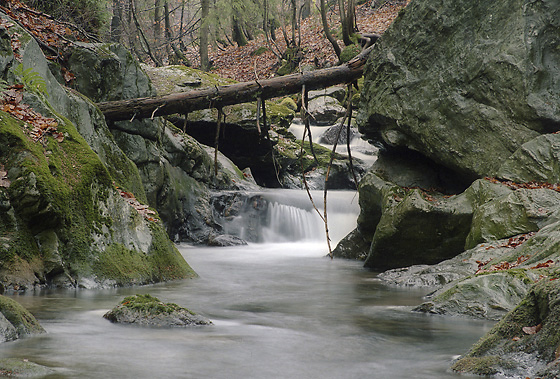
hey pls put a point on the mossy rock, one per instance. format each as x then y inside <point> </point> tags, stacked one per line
<point>527,339</point>
<point>20,322</point>
<point>147,310</point>
<point>171,79</point>
<point>482,296</point>
<point>418,227</point>
<point>519,212</point>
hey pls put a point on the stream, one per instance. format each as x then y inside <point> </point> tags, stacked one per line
<point>280,310</point>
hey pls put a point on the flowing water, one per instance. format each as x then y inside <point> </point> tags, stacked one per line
<point>280,310</point>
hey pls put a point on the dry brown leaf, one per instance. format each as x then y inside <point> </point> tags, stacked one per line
<point>532,329</point>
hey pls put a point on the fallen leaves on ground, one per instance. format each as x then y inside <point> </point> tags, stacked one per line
<point>514,241</point>
<point>527,185</point>
<point>532,329</point>
<point>502,265</point>
<point>142,209</point>
<point>38,126</point>
<point>241,64</point>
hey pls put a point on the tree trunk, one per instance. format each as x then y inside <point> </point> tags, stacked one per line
<point>306,9</point>
<point>203,36</point>
<point>327,31</point>
<point>157,28</point>
<point>116,22</point>
<point>237,30</point>
<point>217,97</point>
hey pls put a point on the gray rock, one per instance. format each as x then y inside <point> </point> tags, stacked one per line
<point>524,343</point>
<point>325,110</point>
<point>225,240</point>
<point>451,80</point>
<point>535,161</point>
<point>419,228</point>
<point>146,310</point>
<point>519,212</point>
<point>16,321</point>
<point>24,368</point>
<point>338,92</point>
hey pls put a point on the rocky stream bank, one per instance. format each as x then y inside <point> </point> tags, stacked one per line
<point>463,99</point>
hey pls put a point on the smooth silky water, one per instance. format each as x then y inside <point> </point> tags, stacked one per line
<point>280,310</point>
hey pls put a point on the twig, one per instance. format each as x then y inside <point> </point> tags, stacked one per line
<point>305,180</point>
<point>349,110</point>
<point>216,140</point>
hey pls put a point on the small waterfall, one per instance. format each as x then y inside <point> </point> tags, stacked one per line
<point>286,223</point>
<point>283,215</point>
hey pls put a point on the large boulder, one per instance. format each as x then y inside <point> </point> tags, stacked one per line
<point>73,204</point>
<point>465,84</point>
<point>177,172</point>
<point>419,228</point>
<point>16,321</point>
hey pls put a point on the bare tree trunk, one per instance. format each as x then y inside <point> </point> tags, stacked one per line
<point>169,37</point>
<point>144,41</point>
<point>306,9</point>
<point>294,21</point>
<point>116,21</point>
<point>327,31</point>
<point>157,27</point>
<point>203,36</point>
<point>237,30</point>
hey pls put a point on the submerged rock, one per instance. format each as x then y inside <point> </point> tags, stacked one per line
<point>147,310</point>
<point>13,367</point>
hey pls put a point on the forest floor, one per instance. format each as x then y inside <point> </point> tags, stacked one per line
<point>233,62</point>
<point>242,64</point>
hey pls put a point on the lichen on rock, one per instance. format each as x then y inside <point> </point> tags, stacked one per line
<point>147,310</point>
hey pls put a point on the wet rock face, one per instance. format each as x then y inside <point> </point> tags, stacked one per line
<point>147,310</point>
<point>465,83</point>
<point>525,343</point>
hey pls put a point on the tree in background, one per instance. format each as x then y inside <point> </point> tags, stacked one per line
<point>91,15</point>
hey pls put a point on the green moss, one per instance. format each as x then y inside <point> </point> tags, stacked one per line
<point>164,257</point>
<point>517,273</point>
<point>123,265</point>
<point>19,317</point>
<point>260,50</point>
<point>349,52</point>
<point>149,304</point>
<point>479,365</point>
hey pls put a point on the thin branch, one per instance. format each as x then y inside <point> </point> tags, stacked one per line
<point>216,141</point>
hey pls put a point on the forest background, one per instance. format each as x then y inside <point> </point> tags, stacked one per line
<point>237,39</point>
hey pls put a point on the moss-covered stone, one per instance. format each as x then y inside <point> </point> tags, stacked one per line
<point>19,318</point>
<point>519,212</point>
<point>150,311</point>
<point>531,330</point>
<point>349,52</point>
<point>416,229</point>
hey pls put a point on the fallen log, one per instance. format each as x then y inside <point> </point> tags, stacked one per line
<point>217,97</point>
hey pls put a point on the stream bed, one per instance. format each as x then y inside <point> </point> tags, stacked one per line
<point>280,310</point>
